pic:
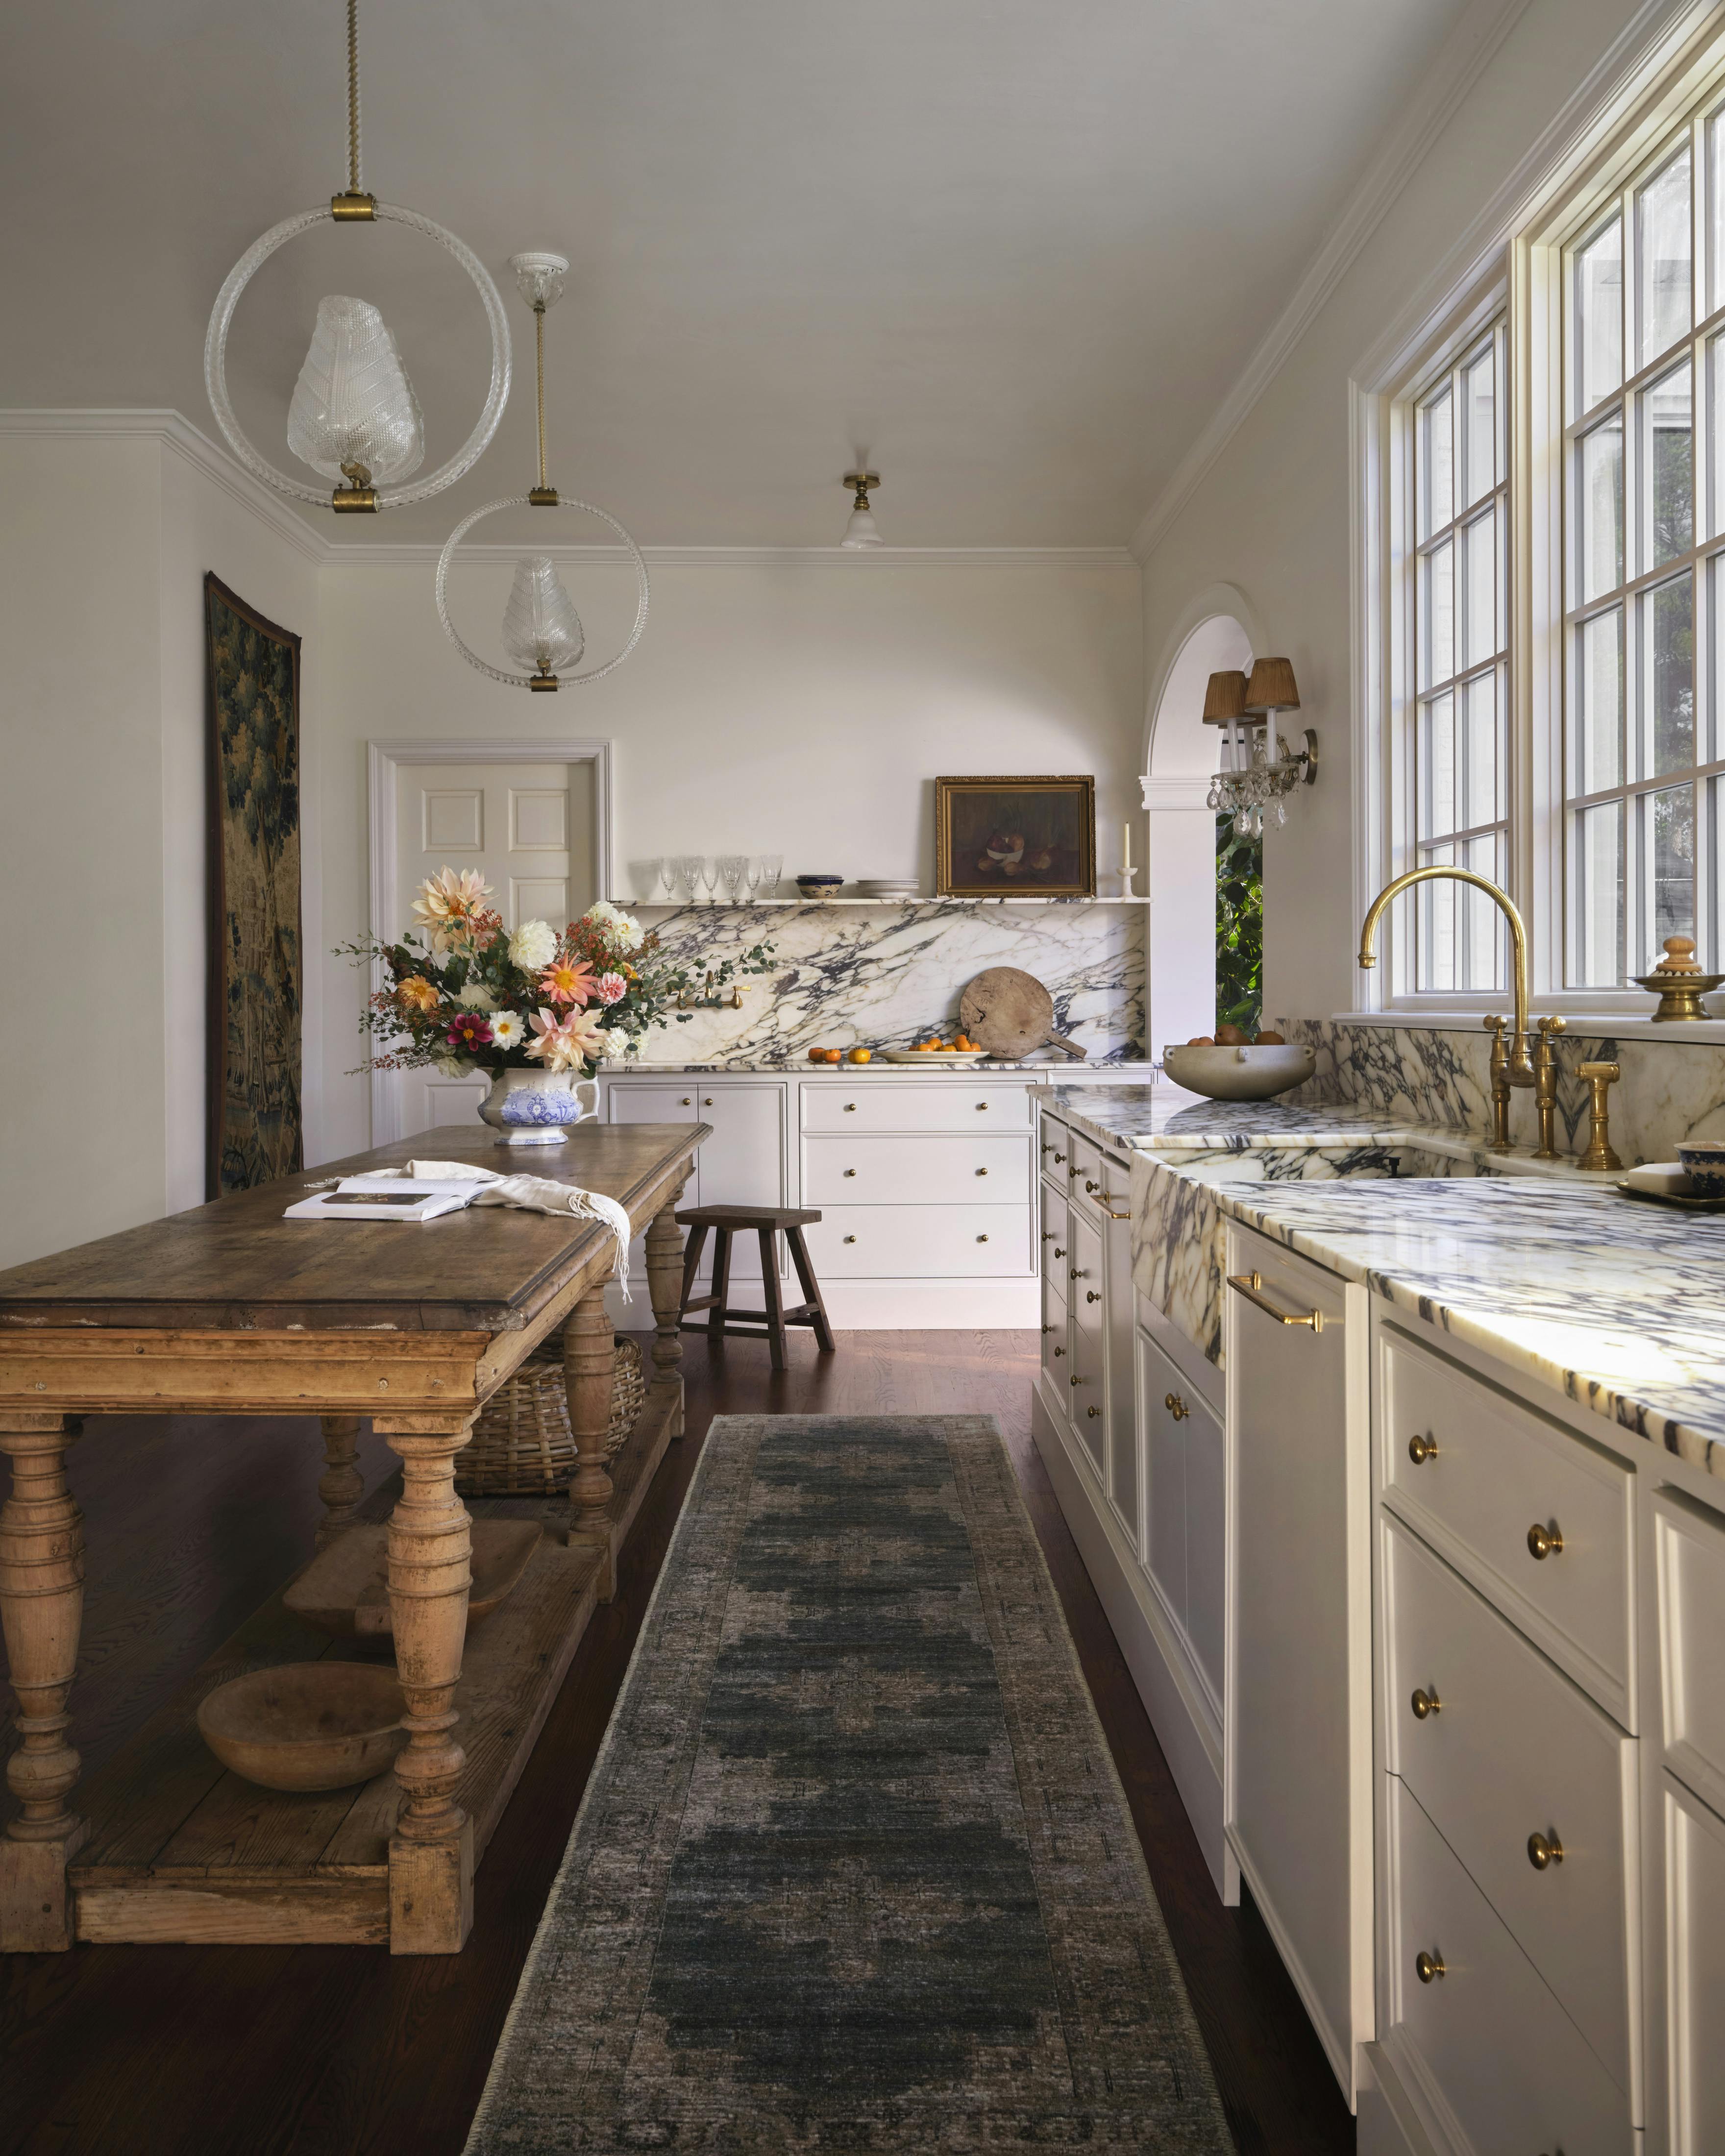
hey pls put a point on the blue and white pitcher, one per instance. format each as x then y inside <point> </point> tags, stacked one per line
<point>535,1107</point>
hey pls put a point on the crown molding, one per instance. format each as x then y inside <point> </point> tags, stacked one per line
<point>174,431</point>
<point>1181,790</point>
<point>410,554</point>
<point>1466,55</point>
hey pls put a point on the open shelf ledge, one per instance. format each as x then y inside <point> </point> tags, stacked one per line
<point>744,905</point>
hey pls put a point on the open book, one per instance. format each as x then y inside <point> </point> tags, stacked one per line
<point>359,1198</point>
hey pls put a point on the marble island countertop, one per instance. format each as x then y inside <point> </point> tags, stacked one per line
<point>1612,1302</point>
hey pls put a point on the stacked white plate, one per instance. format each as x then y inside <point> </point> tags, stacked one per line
<point>890,887</point>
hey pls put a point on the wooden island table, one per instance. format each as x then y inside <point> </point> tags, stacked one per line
<point>229,1309</point>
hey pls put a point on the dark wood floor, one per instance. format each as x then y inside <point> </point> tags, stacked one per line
<point>217,2051</point>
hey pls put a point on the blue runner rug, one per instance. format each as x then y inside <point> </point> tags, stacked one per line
<point>854,1872</point>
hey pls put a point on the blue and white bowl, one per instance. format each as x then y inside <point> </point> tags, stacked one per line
<point>820,886</point>
<point>1704,1164</point>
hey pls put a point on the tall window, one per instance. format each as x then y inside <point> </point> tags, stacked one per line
<point>1460,663</point>
<point>1644,373</point>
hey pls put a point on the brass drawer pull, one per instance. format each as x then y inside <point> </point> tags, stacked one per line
<point>850,1171</point>
<point>981,1108</point>
<point>1177,1407</point>
<point>1428,1967</point>
<point>687,1101</point>
<point>1048,1328</point>
<point>1544,1541</point>
<point>1421,1448</point>
<point>1047,1149</point>
<point>1058,1351</point>
<point>1093,1413</point>
<point>1059,1157</point>
<point>850,1239</point>
<point>708,1101</point>
<point>1543,1853</point>
<point>1250,1283</point>
<point>850,1107</point>
<point>1090,1186</point>
<point>982,1239</point>
<point>1048,1234</point>
<point>1059,1252</point>
<point>1091,1295</point>
<point>981,1171</point>
<point>1078,1272</point>
<point>1075,1380</point>
<point>1425,1703</point>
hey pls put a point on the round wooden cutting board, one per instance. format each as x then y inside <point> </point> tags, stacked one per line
<point>1010,1014</point>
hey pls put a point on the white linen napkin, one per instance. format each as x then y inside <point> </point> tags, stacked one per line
<point>535,1193</point>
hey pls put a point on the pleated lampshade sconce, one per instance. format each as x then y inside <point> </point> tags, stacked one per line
<point>1257,770</point>
<point>542,630</point>
<point>354,419</point>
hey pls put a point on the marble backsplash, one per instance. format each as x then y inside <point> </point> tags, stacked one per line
<point>1670,1090</point>
<point>884,976</point>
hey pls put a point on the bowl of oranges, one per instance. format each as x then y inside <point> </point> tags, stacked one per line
<point>960,1049</point>
<point>1231,1064</point>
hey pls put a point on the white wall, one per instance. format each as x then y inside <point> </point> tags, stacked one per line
<point>1272,513</point>
<point>803,706</point>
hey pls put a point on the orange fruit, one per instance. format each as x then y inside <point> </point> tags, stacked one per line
<point>860,1054</point>
<point>817,1055</point>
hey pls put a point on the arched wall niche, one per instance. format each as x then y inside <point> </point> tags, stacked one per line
<point>1217,631</point>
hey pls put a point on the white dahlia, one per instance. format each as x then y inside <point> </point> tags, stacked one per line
<point>533,946</point>
<point>508,1029</point>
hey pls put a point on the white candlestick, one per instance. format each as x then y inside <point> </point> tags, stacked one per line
<point>1126,852</point>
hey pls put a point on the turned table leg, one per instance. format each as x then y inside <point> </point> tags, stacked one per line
<point>665,1285</point>
<point>341,1485</point>
<point>431,1851</point>
<point>41,1609</point>
<point>589,1366</point>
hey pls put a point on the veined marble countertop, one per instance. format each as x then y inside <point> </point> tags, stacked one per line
<point>1613,1302</point>
<point>1070,1074</point>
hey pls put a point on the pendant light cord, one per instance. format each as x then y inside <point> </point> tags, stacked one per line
<point>539,348</point>
<point>353,182</point>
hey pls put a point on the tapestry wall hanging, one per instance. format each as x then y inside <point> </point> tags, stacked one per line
<point>256,968</point>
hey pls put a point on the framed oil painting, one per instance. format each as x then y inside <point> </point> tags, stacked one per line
<point>256,966</point>
<point>999,838</point>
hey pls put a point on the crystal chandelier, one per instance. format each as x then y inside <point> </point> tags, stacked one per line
<point>1258,771</point>
<point>354,416</point>
<point>542,630</point>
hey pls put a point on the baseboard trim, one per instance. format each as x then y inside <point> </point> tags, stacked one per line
<point>1190,1743</point>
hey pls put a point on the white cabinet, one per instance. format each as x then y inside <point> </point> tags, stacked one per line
<point>1694,1852</point>
<point>746,1162</point>
<point>1182,1468</point>
<point>1296,1709</point>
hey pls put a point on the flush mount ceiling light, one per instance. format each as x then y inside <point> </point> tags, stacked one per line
<point>540,627</point>
<point>860,530</point>
<point>354,415</point>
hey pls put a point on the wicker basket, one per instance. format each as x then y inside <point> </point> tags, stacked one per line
<point>522,1446</point>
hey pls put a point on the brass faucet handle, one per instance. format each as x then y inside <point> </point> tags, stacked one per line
<point>1600,1078</point>
<point>1550,1025</point>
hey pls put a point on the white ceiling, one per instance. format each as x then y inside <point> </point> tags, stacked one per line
<point>1016,250</point>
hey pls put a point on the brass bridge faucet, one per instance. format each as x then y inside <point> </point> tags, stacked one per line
<point>1511,1064</point>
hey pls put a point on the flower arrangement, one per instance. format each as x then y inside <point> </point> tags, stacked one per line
<point>465,994</point>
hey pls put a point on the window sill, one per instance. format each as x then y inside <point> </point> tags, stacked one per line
<point>1590,1025</point>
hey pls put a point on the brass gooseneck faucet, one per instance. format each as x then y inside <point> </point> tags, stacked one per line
<point>1511,1064</point>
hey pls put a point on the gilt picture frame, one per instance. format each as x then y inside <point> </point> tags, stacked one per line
<point>1015,838</point>
<point>256,991</point>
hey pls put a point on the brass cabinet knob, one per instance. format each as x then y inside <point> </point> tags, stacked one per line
<point>1091,1295</point>
<point>1428,1967</point>
<point>1078,1272</point>
<point>1047,1149</point>
<point>1090,1186</point>
<point>981,1171</point>
<point>1075,1379</point>
<point>1093,1413</point>
<point>1544,1851</point>
<point>850,1239</point>
<point>1048,1328</point>
<point>1544,1541</point>
<point>1176,1407</point>
<point>1420,1450</point>
<point>981,1108</point>
<point>688,1100</point>
<point>850,1107</point>
<point>850,1171</point>
<point>1059,1157</point>
<point>1425,1703</point>
<point>1059,1252</point>
<point>982,1239</point>
<point>1060,1351</point>
<point>706,1101</point>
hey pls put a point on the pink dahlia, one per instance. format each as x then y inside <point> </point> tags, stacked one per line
<point>470,1030</point>
<point>610,988</point>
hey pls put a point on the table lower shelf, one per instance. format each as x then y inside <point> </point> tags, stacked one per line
<point>181,1850</point>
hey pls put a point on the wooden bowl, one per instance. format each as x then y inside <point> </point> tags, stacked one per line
<point>306,1725</point>
<point>1247,1073</point>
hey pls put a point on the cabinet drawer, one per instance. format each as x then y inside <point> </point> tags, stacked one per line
<point>1057,1354</point>
<point>920,1242</point>
<point>1502,1479</point>
<point>1053,1151</point>
<point>1084,1163</point>
<point>1690,1542</point>
<point>1512,1750</point>
<point>867,1104</point>
<point>1054,1213</point>
<point>917,1171</point>
<point>1087,1388</point>
<point>1084,1275</point>
<point>1103,1189</point>
<point>1502,2053</point>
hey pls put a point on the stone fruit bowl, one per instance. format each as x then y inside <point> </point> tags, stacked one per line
<point>306,1725</point>
<point>1240,1074</point>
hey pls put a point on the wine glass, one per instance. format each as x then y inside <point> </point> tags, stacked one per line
<point>710,878</point>
<point>668,873</point>
<point>751,875</point>
<point>689,875</point>
<point>772,867</point>
<point>732,867</point>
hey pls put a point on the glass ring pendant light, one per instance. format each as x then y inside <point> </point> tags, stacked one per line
<point>542,629</point>
<point>354,416</point>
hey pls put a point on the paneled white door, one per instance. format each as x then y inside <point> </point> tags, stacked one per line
<point>527,828</point>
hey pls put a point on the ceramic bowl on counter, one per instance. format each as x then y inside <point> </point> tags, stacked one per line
<point>1704,1164</point>
<point>1240,1074</point>
<point>820,886</point>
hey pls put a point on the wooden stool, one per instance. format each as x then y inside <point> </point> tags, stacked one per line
<point>765,1221</point>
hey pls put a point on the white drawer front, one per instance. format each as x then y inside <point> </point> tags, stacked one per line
<point>1088,1389</point>
<point>1501,1479</point>
<point>1054,1212</point>
<point>1514,1749</point>
<point>865,1104</point>
<point>1084,1164</point>
<point>920,1242</point>
<point>1084,1275</point>
<point>1055,1151</point>
<point>1103,1189</point>
<point>1490,2037</point>
<point>1056,1353</point>
<point>1695,1875</point>
<point>1691,1544</point>
<point>917,1171</point>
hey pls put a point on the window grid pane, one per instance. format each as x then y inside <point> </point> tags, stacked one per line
<point>1460,640</point>
<point>1645,578</point>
